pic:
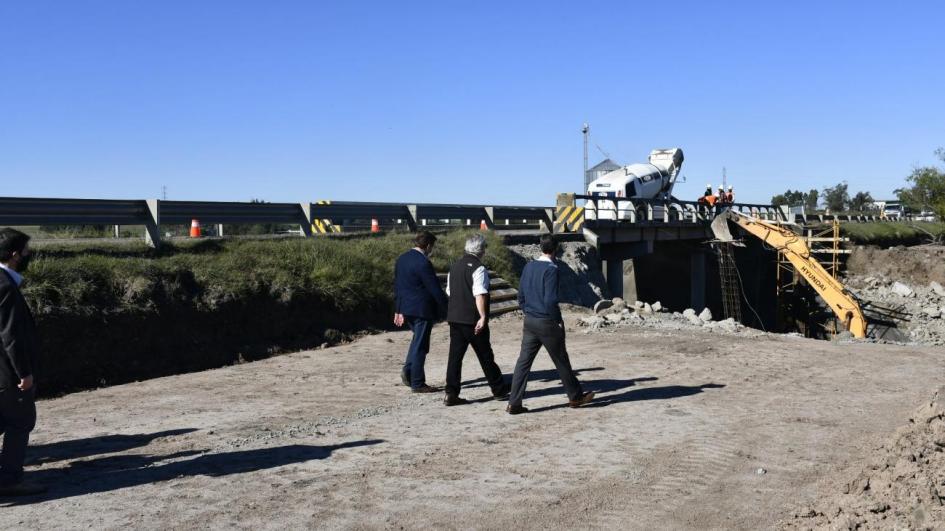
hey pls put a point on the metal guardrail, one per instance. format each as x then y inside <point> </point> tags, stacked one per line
<point>153,213</point>
<point>609,210</point>
<point>328,216</point>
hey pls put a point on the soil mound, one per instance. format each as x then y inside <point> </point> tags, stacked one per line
<point>901,487</point>
<point>914,265</point>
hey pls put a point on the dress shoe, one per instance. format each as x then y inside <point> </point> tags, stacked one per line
<point>404,379</point>
<point>424,389</point>
<point>454,400</point>
<point>582,400</point>
<point>21,489</point>
<point>516,410</point>
<point>503,392</point>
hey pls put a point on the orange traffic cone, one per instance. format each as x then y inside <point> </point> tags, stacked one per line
<point>482,225</point>
<point>194,228</point>
<point>375,227</point>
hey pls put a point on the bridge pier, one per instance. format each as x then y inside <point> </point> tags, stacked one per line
<point>613,272</point>
<point>697,280</point>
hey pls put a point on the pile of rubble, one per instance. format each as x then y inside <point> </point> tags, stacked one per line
<point>924,303</point>
<point>617,312</point>
<point>901,487</point>
<point>580,278</point>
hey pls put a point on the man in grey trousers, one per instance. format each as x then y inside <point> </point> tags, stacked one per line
<point>543,327</point>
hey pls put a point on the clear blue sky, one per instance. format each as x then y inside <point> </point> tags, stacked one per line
<point>446,101</point>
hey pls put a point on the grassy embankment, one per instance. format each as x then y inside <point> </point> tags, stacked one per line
<point>112,313</point>
<point>888,234</point>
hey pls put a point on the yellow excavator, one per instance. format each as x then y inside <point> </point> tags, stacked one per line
<point>841,301</point>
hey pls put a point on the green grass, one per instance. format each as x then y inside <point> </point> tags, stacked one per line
<point>887,234</point>
<point>117,312</point>
<point>106,277</point>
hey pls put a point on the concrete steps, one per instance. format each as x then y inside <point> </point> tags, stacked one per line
<point>503,297</point>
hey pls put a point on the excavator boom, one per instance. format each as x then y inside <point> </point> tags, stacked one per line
<point>796,250</point>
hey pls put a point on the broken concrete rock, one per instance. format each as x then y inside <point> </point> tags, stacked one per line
<point>706,315</point>
<point>602,306</point>
<point>937,288</point>
<point>901,289</point>
<point>657,307</point>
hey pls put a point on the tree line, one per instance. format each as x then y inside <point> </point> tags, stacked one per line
<point>925,190</point>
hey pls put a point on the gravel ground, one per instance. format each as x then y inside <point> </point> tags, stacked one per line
<point>691,429</point>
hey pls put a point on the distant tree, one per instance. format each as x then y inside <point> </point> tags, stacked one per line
<point>861,201</point>
<point>928,188</point>
<point>789,198</point>
<point>813,197</point>
<point>797,198</point>
<point>836,198</point>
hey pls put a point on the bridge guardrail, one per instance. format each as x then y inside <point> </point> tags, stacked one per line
<point>330,216</point>
<point>318,217</point>
<point>599,210</point>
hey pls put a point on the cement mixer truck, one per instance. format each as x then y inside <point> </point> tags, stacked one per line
<point>652,180</point>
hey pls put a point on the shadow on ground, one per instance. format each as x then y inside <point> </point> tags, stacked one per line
<point>546,375</point>
<point>106,444</point>
<point>665,392</point>
<point>118,472</point>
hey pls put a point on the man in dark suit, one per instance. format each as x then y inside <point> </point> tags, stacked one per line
<point>418,301</point>
<point>543,327</point>
<point>20,346</point>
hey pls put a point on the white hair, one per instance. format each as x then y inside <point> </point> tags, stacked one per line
<point>476,244</point>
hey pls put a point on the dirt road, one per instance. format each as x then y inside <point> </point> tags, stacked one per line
<point>691,430</point>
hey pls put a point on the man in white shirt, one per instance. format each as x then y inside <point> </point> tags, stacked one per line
<point>468,315</point>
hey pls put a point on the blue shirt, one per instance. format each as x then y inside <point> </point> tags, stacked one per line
<point>538,290</point>
<point>17,278</point>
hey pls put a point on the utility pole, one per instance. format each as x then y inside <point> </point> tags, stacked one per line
<point>164,192</point>
<point>724,177</point>
<point>585,131</point>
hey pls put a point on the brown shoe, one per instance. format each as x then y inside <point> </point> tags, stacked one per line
<point>454,400</point>
<point>516,410</point>
<point>424,389</point>
<point>582,400</point>
<point>21,489</point>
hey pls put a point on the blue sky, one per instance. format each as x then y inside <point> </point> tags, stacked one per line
<point>447,101</point>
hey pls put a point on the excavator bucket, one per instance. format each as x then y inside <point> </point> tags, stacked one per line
<point>720,228</point>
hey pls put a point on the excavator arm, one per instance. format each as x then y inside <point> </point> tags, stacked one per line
<point>794,248</point>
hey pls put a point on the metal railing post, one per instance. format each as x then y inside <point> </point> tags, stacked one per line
<point>490,217</point>
<point>152,225</point>
<point>306,225</point>
<point>546,224</point>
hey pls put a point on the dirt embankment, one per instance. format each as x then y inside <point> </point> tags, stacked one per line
<point>912,265</point>
<point>581,275</point>
<point>902,485</point>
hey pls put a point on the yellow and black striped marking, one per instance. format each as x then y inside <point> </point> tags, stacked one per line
<point>324,226</point>
<point>569,218</point>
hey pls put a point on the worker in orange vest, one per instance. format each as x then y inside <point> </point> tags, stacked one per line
<point>721,198</point>
<point>730,196</point>
<point>708,199</point>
